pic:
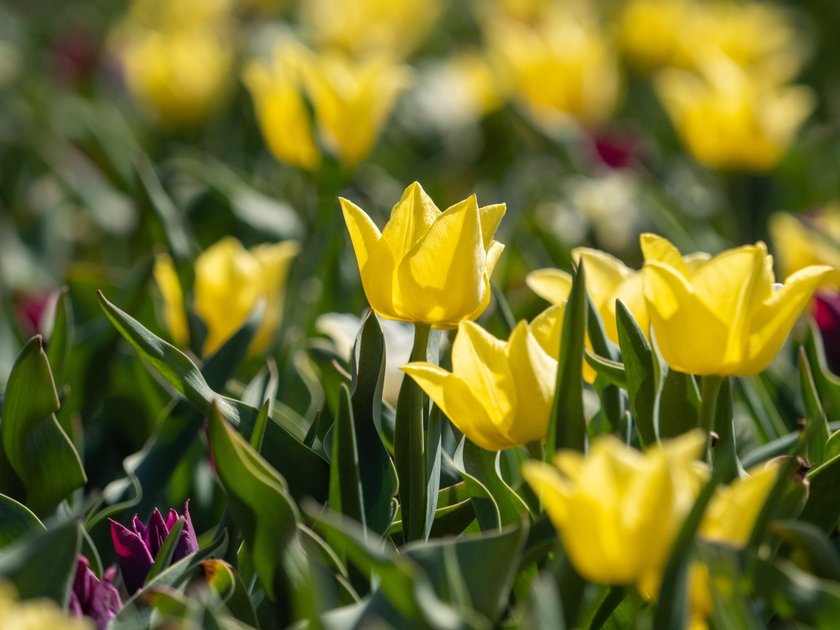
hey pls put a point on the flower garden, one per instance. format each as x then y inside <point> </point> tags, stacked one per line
<point>419,314</point>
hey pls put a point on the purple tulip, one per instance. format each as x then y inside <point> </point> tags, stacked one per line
<point>97,599</point>
<point>827,316</point>
<point>138,547</point>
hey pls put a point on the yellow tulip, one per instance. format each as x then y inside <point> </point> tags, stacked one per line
<point>180,76</point>
<point>229,280</point>
<point>499,394</point>
<point>812,240</point>
<point>173,300</point>
<point>618,511</point>
<point>352,100</point>
<point>721,316</point>
<point>651,32</point>
<point>607,280</point>
<point>728,118</point>
<point>281,111</point>
<point>728,521</point>
<point>35,614</point>
<point>426,265</point>
<point>562,68</point>
<point>363,27</point>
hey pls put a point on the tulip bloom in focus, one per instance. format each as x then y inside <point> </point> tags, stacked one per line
<point>499,394</point>
<point>618,511</point>
<point>138,547</point>
<point>281,111</point>
<point>722,316</point>
<point>427,266</point>
<point>730,119</point>
<point>228,282</point>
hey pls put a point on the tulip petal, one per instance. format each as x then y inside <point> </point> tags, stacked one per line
<point>490,217</point>
<point>478,358</point>
<point>678,317</point>
<point>660,249</point>
<point>772,321</point>
<point>132,555</point>
<point>411,217</point>
<point>551,285</point>
<point>493,253</point>
<point>441,279</point>
<point>547,329</point>
<point>376,265</point>
<point>604,274</point>
<point>551,489</point>
<point>534,374</point>
<point>457,400</point>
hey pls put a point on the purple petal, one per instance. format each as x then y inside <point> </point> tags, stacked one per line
<point>157,533</point>
<point>105,602</point>
<point>187,542</point>
<point>827,316</point>
<point>133,556</point>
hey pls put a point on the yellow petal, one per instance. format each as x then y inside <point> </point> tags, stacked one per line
<point>604,274</point>
<point>376,265</point>
<point>534,374</point>
<point>441,280</point>
<point>411,218</point>
<point>551,489</point>
<point>491,217</point>
<point>547,329</point>
<point>678,317</point>
<point>480,360</point>
<point>660,249</point>
<point>733,510</point>
<point>631,292</point>
<point>274,261</point>
<point>771,322</point>
<point>551,285</point>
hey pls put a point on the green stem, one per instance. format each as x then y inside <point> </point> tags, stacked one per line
<point>410,444</point>
<point>535,450</point>
<point>709,389</point>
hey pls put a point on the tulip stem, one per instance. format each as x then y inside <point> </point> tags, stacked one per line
<point>535,450</point>
<point>410,444</point>
<point>709,390</point>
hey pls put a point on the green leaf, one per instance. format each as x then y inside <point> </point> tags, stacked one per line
<point>679,405</point>
<point>724,454</point>
<point>567,424</point>
<point>226,583</point>
<point>823,506</point>
<point>794,594</point>
<point>31,433</point>
<point>44,564</point>
<point>260,504</point>
<point>306,472</point>
<point>810,546</point>
<point>400,579</point>
<point>16,521</point>
<point>487,564</point>
<point>62,335</point>
<point>612,371</point>
<point>484,466</point>
<point>612,400</point>
<point>818,430</point>
<point>641,373</point>
<point>345,485</point>
<point>376,471</point>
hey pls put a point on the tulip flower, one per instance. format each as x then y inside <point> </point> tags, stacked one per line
<point>562,68</point>
<point>35,614</point>
<point>721,316</point>
<point>365,27</point>
<point>280,108</point>
<point>728,520</point>
<point>810,239</point>
<point>607,280</point>
<point>92,597</point>
<point>618,511</point>
<point>352,100</point>
<point>427,266</point>
<point>499,394</point>
<point>730,119</point>
<point>138,547</point>
<point>229,280</point>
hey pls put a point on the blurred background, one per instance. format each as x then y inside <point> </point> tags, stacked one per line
<point>136,137</point>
